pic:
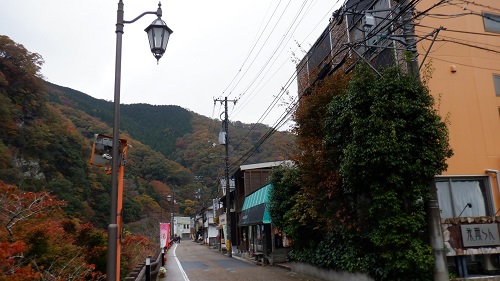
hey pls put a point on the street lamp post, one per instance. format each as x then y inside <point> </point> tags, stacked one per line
<point>158,33</point>
<point>170,199</point>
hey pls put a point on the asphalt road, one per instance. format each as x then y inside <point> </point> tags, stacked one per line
<point>190,261</point>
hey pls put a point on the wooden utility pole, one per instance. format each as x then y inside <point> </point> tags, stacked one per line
<point>228,187</point>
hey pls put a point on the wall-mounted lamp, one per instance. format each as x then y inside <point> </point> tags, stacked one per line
<point>466,205</point>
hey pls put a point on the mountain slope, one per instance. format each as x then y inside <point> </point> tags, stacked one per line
<point>181,135</point>
<point>156,126</point>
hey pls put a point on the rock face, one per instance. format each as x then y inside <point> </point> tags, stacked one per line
<point>31,168</point>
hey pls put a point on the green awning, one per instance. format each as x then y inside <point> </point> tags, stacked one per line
<point>254,210</point>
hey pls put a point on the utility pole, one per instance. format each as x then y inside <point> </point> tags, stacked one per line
<point>228,190</point>
<point>433,213</point>
<point>409,35</point>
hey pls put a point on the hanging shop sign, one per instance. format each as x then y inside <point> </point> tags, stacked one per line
<point>475,235</point>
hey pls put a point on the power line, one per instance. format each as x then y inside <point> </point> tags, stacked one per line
<point>283,90</point>
<point>286,36</point>
<point>381,26</point>
<point>268,60</point>
<point>468,45</point>
<point>463,64</point>
<point>480,5</point>
<point>254,92</point>
<point>462,31</point>
<point>253,45</point>
<point>261,48</point>
<point>288,112</point>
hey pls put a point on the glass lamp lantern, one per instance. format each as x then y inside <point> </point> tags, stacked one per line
<point>158,35</point>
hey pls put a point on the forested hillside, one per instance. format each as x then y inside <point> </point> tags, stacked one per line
<point>180,135</point>
<point>46,137</point>
<point>156,126</point>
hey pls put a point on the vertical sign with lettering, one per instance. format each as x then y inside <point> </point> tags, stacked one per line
<point>164,234</point>
<point>216,206</point>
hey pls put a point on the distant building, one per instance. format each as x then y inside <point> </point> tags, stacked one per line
<point>183,227</point>
<point>206,226</point>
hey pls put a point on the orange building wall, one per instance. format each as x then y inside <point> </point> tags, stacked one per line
<point>467,96</point>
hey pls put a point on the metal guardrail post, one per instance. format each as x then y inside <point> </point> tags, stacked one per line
<point>148,268</point>
<point>139,272</point>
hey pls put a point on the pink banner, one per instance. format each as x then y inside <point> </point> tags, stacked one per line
<point>164,234</point>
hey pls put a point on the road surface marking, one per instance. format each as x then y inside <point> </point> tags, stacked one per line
<point>180,266</point>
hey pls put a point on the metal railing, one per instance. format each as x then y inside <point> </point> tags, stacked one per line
<point>139,272</point>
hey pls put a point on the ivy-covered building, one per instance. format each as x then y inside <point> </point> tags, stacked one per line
<point>455,48</point>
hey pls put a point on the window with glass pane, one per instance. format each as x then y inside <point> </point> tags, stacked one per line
<point>455,193</point>
<point>496,83</point>
<point>491,22</point>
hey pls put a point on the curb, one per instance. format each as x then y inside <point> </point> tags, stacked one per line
<point>286,267</point>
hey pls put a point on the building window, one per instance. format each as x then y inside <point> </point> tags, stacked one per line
<point>491,22</point>
<point>496,82</point>
<point>455,193</point>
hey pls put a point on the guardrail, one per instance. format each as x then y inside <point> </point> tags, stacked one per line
<point>139,272</point>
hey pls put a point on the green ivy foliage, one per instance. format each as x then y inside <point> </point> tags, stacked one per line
<point>391,143</point>
<point>388,144</point>
<point>285,179</point>
<point>340,250</point>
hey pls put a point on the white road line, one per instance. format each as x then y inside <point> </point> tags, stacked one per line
<point>180,266</point>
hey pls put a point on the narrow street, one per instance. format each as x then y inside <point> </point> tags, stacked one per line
<point>190,261</point>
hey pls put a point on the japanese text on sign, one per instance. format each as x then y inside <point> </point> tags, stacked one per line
<point>474,235</point>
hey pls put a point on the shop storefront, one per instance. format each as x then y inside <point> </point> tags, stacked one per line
<point>259,237</point>
<point>255,223</point>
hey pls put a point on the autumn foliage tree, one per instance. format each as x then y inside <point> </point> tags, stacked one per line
<point>135,249</point>
<point>319,198</point>
<point>313,209</point>
<point>36,242</point>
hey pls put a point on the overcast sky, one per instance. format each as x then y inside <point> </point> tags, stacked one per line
<point>240,49</point>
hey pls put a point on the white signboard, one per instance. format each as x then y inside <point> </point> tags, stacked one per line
<point>216,206</point>
<point>477,235</point>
